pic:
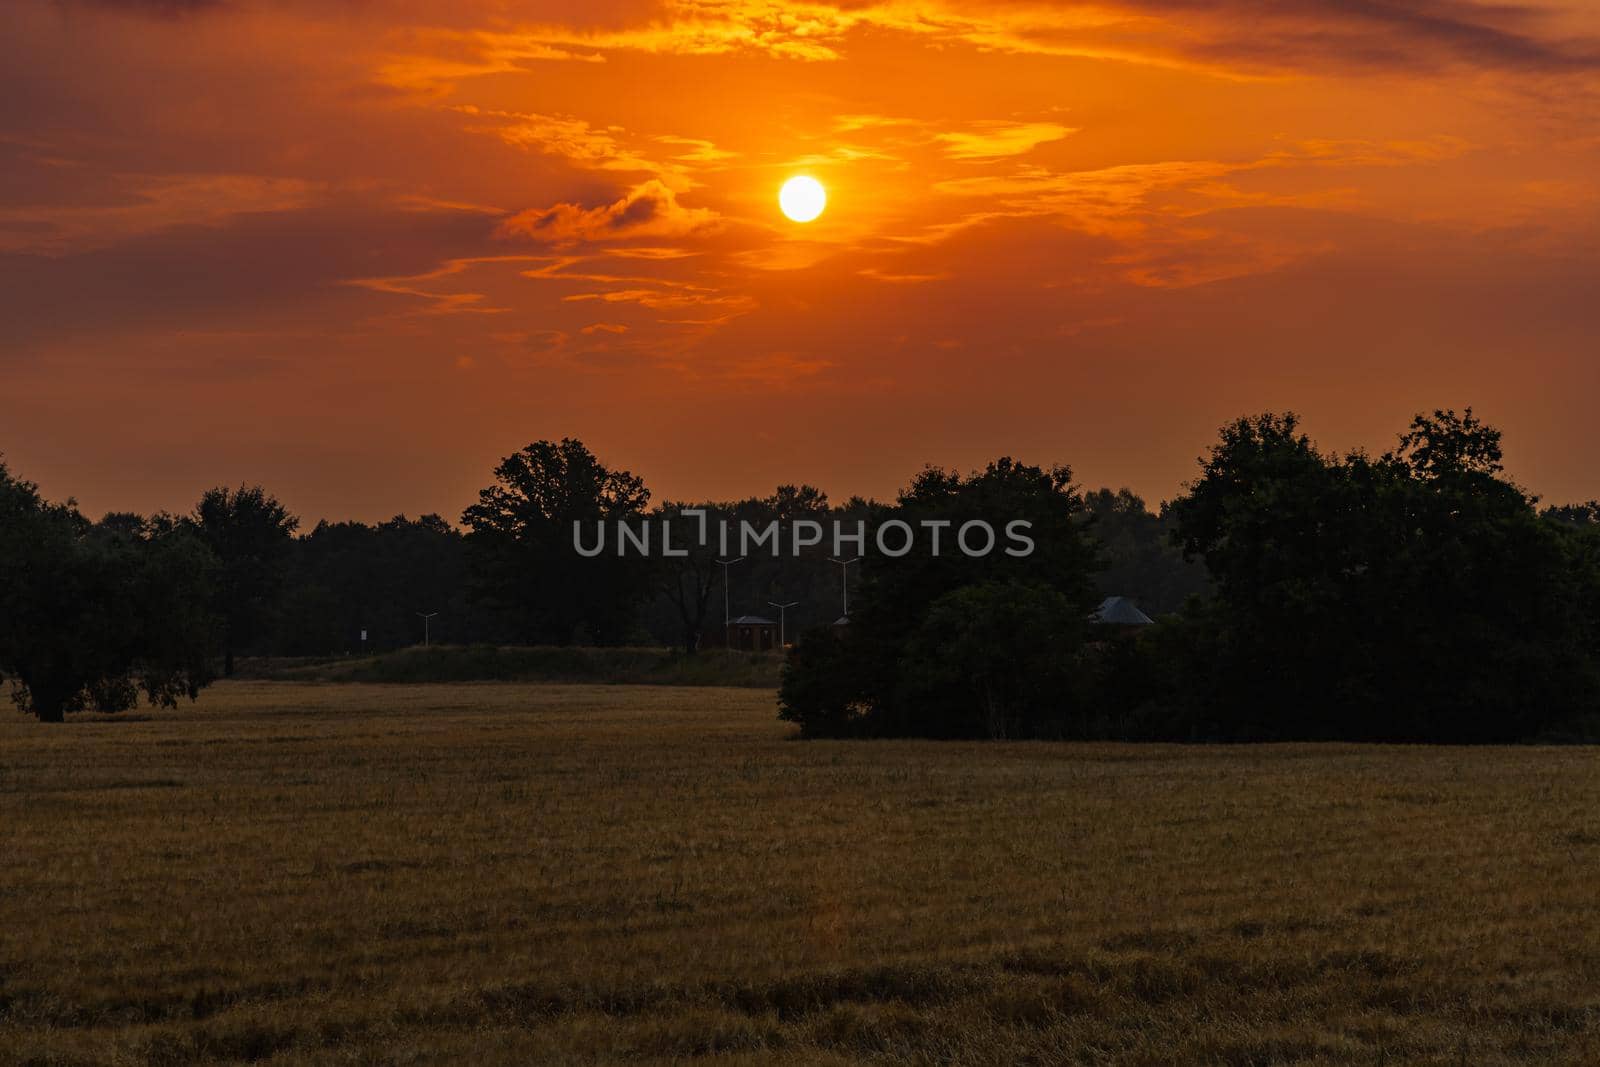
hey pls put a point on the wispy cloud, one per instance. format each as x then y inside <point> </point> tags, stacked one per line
<point>650,210</point>
<point>995,140</point>
<point>574,139</point>
<point>1226,36</point>
<point>438,300</point>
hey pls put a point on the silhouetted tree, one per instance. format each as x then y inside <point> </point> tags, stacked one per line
<point>1415,596</point>
<point>827,687</point>
<point>913,610</point>
<point>1581,516</point>
<point>249,532</point>
<point>1003,657</point>
<point>348,577</point>
<point>1412,596</point>
<point>522,550</point>
<point>1447,445</point>
<point>690,581</point>
<point>92,615</point>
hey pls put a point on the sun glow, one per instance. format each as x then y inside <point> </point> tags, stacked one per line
<point>802,199</point>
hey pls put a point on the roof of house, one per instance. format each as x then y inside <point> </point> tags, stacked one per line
<point>1120,611</point>
<point>751,620</point>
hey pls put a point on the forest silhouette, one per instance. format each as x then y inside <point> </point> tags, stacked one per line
<point>1416,595</point>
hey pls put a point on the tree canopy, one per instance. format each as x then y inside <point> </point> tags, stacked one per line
<point>1413,595</point>
<point>93,615</point>
<point>1417,595</point>
<point>522,545</point>
<point>249,532</point>
<point>928,615</point>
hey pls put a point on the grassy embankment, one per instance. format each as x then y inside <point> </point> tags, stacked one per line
<point>491,663</point>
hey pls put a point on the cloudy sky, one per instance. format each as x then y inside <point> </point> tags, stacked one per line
<point>359,250</point>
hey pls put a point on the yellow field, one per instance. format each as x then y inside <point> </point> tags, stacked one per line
<point>530,874</point>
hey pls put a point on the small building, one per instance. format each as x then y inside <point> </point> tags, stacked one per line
<point>1119,611</point>
<point>752,633</point>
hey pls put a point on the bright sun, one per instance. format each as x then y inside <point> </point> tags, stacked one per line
<point>802,199</point>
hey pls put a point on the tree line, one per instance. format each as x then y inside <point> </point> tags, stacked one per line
<point>1415,595</point>
<point>94,613</point>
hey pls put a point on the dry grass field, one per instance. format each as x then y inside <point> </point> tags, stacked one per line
<point>522,874</point>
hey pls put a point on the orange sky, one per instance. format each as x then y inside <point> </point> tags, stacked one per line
<point>357,251</point>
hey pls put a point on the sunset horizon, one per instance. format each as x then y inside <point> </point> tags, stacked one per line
<point>360,253</point>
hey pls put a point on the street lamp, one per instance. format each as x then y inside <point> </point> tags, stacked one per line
<point>727,616</point>
<point>783,629</point>
<point>844,574</point>
<point>425,619</point>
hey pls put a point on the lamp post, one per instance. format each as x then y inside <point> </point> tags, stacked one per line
<point>844,574</point>
<point>425,630</point>
<point>783,627</point>
<point>727,616</point>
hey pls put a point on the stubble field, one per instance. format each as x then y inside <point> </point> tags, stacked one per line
<point>518,874</point>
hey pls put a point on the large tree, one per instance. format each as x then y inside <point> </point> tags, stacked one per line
<point>522,548</point>
<point>91,615</point>
<point>249,532</point>
<point>915,617</point>
<point>1003,657</point>
<point>1411,596</point>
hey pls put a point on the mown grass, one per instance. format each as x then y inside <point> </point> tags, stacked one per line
<point>518,874</point>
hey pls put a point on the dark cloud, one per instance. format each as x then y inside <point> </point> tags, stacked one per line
<point>1284,34</point>
<point>250,271</point>
<point>169,9</point>
<point>1379,33</point>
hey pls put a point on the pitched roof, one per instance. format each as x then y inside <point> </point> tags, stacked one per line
<point>751,620</point>
<point>1120,611</point>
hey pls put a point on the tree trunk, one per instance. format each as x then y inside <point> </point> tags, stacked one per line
<point>691,613</point>
<point>48,705</point>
